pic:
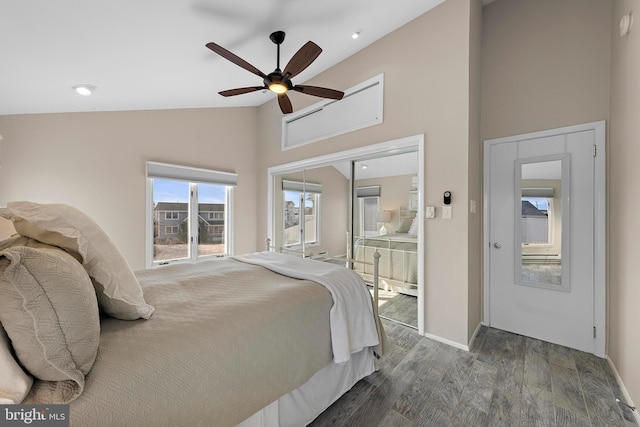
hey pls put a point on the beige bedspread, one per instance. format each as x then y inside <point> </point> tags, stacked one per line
<point>215,351</point>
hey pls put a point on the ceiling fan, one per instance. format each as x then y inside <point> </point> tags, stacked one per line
<point>279,81</point>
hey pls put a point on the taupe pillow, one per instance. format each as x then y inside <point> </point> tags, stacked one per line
<point>14,382</point>
<point>118,290</point>
<point>49,310</point>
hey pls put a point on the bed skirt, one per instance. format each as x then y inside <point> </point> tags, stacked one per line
<point>304,404</point>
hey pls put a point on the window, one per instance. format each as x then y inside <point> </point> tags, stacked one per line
<point>369,204</point>
<point>369,216</point>
<point>215,215</point>
<point>301,225</point>
<point>536,224</point>
<point>182,203</point>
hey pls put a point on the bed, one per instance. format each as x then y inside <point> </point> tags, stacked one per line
<point>399,256</point>
<point>263,339</point>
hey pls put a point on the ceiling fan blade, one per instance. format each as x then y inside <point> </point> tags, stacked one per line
<point>240,90</point>
<point>285,103</point>
<point>322,92</point>
<point>302,59</point>
<point>235,59</point>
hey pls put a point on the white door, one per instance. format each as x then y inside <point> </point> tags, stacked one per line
<point>543,236</point>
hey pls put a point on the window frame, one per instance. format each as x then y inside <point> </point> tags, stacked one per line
<point>361,201</point>
<point>227,180</point>
<point>302,218</point>
<point>550,225</point>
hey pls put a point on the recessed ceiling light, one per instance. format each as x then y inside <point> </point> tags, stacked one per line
<point>364,166</point>
<point>356,34</point>
<point>84,90</point>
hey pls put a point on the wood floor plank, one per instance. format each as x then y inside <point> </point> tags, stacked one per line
<point>504,410</point>
<point>479,388</point>
<point>337,413</point>
<point>375,408</point>
<point>537,408</point>
<point>505,380</point>
<point>396,420</point>
<point>567,418</point>
<point>567,391</point>
<point>603,411</point>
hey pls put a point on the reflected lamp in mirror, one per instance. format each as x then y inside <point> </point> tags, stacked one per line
<point>383,217</point>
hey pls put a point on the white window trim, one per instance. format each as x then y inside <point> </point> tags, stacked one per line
<point>200,175</point>
<point>318,203</point>
<point>363,232</point>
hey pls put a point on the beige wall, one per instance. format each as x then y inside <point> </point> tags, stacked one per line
<point>394,194</point>
<point>426,71</point>
<point>624,204</point>
<point>545,64</point>
<point>474,301</point>
<point>96,162</point>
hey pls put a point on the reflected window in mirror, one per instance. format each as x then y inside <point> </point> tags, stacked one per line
<point>301,213</point>
<point>543,222</point>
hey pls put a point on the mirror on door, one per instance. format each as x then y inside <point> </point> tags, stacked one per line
<point>543,223</point>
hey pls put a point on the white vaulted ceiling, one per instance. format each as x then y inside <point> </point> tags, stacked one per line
<point>147,54</point>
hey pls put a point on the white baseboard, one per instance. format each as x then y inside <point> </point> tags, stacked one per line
<point>625,393</point>
<point>446,341</point>
<point>453,343</point>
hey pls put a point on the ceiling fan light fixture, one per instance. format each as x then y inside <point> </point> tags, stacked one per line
<point>84,89</point>
<point>278,88</point>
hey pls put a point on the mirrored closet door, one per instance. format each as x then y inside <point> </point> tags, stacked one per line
<point>322,213</point>
<point>384,210</point>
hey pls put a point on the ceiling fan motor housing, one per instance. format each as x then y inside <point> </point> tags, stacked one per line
<point>277,37</point>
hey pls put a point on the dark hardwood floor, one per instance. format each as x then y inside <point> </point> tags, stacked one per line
<point>505,380</point>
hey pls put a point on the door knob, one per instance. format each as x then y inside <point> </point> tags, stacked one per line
<point>497,245</point>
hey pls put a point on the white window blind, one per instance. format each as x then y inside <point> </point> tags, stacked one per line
<point>537,192</point>
<point>372,191</point>
<point>369,218</point>
<point>302,187</point>
<point>190,174</point>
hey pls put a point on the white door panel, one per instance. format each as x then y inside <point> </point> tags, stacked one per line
<point>561,312</point>
<point>541,146</point>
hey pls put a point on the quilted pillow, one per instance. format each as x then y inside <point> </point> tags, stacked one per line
<point>49,310</point>
<point>14,382</point>
<point>118,290</point>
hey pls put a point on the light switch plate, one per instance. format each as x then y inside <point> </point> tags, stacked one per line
<point>431,212</point>
<point>446,212</point>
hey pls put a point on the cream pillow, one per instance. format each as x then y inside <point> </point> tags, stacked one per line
<point>413,230</point>
<point>118,290</point>
<point>14,382</point>
<point>49,310</point>
<point>405,225</point>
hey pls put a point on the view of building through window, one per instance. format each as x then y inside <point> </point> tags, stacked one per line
<point>535,221</point>
<point>178,209</point>
<point>300,222</point>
